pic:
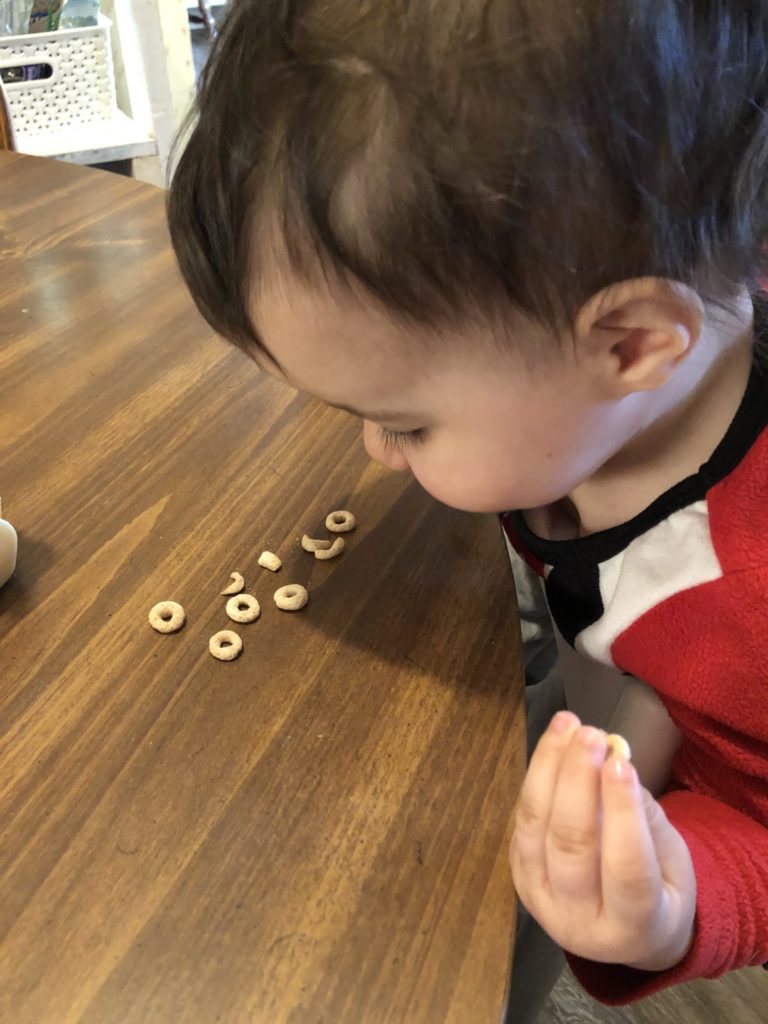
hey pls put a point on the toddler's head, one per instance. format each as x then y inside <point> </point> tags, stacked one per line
<point>496,229</point>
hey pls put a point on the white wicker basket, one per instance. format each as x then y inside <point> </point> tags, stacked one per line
<point>81,89</point>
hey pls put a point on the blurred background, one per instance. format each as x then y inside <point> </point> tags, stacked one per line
<point>103,82</point>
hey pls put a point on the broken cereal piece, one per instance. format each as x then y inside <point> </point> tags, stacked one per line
<point>235,587</point>
<point>268,560</point>
<point>335,549</point>
<point>314,544</point>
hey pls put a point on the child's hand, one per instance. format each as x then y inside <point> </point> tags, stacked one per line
<point>594,858</point>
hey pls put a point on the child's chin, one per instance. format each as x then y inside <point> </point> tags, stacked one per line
<point>494,506</point>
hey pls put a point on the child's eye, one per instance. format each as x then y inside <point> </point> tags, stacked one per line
<point>400,438</point>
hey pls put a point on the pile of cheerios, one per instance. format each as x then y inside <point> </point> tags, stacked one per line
<point>241,607</point>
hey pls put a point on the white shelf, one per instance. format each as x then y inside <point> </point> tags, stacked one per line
<point>120,138</point>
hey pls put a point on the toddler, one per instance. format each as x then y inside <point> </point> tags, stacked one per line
<point>523,241</point>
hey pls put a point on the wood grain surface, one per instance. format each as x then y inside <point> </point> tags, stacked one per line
<point>316,832</point>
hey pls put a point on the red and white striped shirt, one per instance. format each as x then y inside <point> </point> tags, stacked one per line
<point>678,597</point>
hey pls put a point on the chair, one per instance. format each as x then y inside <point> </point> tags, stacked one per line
<point>207,16</point>
<point>6,125</point>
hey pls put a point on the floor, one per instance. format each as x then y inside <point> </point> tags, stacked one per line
<point>741,997</point>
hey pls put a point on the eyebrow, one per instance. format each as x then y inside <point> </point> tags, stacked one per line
<point>380,415</point>
<point>371,414</point>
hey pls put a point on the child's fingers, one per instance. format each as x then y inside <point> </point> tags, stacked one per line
<point>535,804</point>
<point>631,878</point>
<point>573,834</point>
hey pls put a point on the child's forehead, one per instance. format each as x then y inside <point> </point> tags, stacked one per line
<point>352,355</point>
<point>316,334</point>
<point>299,322</point>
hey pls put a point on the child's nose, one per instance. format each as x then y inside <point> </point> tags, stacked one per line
<point>379,452</point>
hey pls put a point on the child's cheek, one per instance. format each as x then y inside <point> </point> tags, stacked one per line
<point>459,478</point>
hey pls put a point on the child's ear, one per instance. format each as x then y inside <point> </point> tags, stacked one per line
<point>637,333</point>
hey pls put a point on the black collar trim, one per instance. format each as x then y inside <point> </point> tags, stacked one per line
<point>750,421</point>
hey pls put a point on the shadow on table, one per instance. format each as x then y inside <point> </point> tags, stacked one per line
<point>438,593</point>
<point>16,597</point>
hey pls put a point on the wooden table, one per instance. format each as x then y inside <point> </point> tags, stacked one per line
<point>316,832</point>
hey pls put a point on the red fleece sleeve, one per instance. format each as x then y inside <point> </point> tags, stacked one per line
<point>730,858</point>
<point>705,652</point>
<point>711,677</point>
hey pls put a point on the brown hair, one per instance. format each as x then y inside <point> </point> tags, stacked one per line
<point>463,155</point>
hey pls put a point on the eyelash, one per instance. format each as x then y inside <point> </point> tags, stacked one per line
<point>400,439</point>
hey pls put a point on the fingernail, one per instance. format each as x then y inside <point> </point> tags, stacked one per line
<point>620,769</point>
<point>563,721</point>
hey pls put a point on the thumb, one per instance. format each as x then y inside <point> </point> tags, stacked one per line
<point>672,851</point>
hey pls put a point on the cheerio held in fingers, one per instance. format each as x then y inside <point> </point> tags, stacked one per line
<point>618,747</point>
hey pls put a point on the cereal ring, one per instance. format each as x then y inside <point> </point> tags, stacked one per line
<point>335,549</point>
<point>340,522</point>
<point>311,544</point>
<point>618,746</point>
<point>235,587</point>
<point>291,598</point>
<point>267,560</point>
<point>225,645</point>
<point>243,608</point>
<point>167,617</point>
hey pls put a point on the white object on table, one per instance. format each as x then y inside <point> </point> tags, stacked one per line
<point>8,549</point>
